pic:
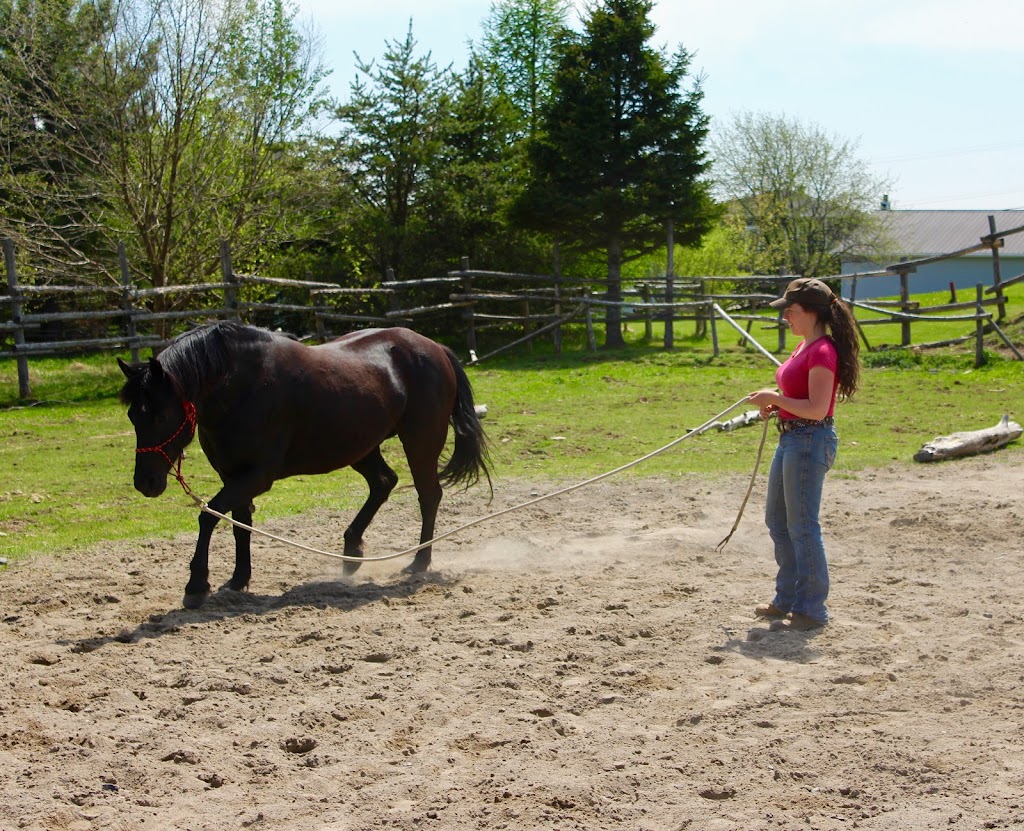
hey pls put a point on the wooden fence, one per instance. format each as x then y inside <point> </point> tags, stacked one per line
<point>484,305</point>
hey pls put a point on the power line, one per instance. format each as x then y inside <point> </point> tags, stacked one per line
<point>959,151</point>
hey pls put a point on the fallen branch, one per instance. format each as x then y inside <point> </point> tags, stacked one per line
<point>971,442</point>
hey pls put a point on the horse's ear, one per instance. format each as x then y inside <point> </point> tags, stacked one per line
<point>155,369</point>
<point>129,370</point>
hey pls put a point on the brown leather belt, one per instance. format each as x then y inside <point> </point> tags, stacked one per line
<point>787,424</point>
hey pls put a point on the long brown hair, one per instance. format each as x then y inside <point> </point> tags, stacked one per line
<point>839,320</point>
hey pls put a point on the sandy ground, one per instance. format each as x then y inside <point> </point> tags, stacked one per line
<point>589,663</point>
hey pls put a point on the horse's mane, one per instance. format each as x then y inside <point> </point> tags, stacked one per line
<point>202,356</point>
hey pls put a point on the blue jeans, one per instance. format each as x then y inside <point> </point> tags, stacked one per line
<point>795,482</point>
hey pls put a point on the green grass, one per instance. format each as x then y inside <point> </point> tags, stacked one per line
<point>67,460</point>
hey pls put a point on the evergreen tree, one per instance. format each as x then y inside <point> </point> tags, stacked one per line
<point>620,149</point>
<point>479,172</point>
<point>520,38</point>
<point>393,133</point>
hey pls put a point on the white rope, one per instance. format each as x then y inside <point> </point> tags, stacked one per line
<point>348,558</point>
<point>750,487</point>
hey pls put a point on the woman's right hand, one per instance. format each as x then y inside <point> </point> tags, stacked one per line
<point>765,401</point>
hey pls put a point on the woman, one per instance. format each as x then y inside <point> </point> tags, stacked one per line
<point>823,364</point>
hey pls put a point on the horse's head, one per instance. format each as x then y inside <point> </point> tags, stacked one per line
<point>164,423</point>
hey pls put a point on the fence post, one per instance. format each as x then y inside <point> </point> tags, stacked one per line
<point>468,312</point>
<point>24,387</point>
<point>851,305</point>
<point>394,299</point>
<point>714,329</point>
<point>997,277</point>
<point>318,321</point>
<point>591,340</point>
<point>700,322</point>
<point>126,302</point>
<point>556,335</point>
<point>227,274</point>
<point>979,347</point>
<point>905,305</point>
<point>645,295</point>
<point>670,271</point>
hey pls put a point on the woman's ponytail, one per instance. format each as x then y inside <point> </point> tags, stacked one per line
<point>843,327</point>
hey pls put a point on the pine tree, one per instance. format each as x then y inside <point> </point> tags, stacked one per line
<point>620,148</point>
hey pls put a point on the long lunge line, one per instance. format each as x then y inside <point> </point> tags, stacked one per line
<point>414,549</point>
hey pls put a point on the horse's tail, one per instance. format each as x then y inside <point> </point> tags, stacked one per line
<point>470,456</point>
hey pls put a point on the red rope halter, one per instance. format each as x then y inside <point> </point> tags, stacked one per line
<point>175,466</point>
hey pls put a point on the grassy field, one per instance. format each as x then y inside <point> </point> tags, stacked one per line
<point>67,459</point>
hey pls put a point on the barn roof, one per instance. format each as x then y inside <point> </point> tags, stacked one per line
<point>929,233</point>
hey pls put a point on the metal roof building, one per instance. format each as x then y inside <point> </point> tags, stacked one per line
<point>918,234</point>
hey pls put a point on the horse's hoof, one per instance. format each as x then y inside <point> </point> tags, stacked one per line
<point>194,601</point>
<point>416,568</point>
<point>350,568</point>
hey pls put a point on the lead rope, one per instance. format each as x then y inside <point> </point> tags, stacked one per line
<point>750,487</point>
<point>348,558</point>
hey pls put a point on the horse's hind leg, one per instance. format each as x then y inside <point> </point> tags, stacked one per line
<point>423,466</point>
<point>243,554</point>
<point>381,480</point>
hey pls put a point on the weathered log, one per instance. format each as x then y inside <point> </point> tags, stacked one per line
<point>742,420</point>
<point>970,442</point>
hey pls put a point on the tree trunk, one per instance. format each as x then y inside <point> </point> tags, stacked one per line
<point>613,314</point>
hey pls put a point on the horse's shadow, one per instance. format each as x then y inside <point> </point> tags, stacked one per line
<point>226,604</point>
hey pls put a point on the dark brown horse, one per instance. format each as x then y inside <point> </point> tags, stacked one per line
<point>267,407</point>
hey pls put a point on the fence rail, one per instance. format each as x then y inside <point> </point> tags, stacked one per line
<point>479,301</point>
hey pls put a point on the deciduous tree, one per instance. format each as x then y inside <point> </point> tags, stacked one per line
<point>203,149</point>
<point>51,128</point>
<point>803,193</point>
<point>174,129</point>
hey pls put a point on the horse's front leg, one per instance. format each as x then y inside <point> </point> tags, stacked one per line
<point>236,498</point>
<point>198,587</point>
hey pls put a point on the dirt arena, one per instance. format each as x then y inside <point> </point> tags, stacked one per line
<point>589,663</point>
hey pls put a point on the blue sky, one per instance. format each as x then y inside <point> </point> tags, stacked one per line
<point>930,89</point>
